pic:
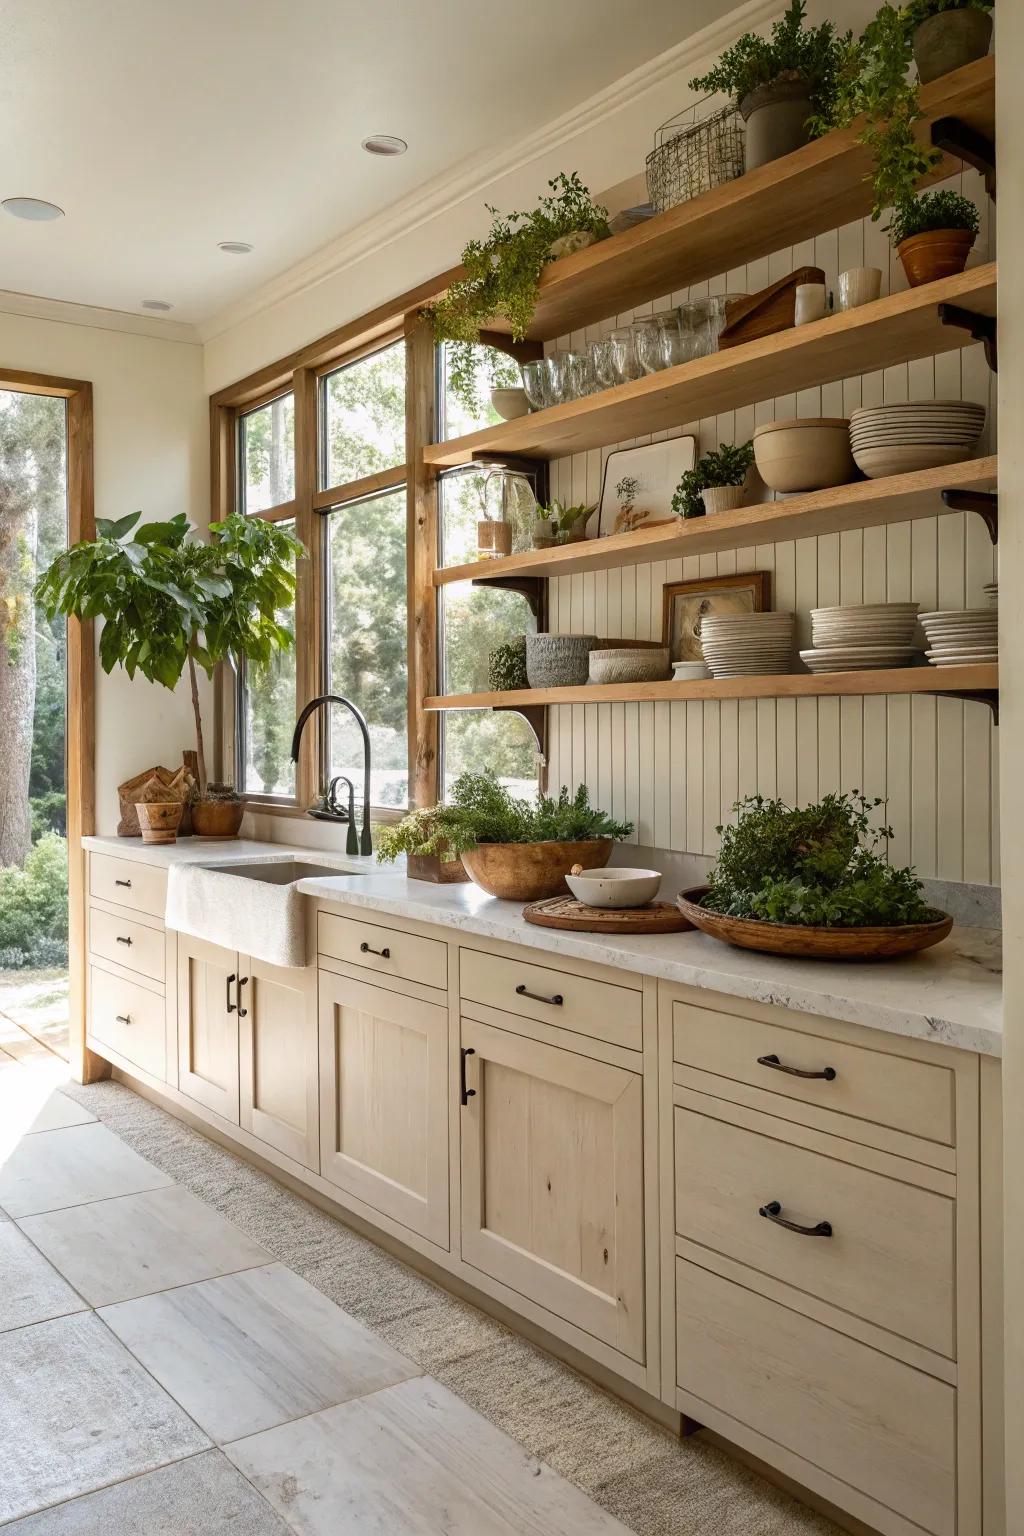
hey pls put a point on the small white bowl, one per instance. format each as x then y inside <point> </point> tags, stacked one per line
<point>690,671</point>
<point>615,887</point>
<point>510,403</point>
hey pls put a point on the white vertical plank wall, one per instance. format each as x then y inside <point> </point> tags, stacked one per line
<point>676,769</point>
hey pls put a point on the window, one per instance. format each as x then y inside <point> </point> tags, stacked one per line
<point>266,720</point>
<point>493,370</point>
<point>266,455</point>
<point>363,417</point>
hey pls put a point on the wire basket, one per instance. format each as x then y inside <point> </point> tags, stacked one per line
<point>692,154</point>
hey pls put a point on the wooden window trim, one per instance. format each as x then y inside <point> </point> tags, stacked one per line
<point>80,751</point>
<point>377,484</point>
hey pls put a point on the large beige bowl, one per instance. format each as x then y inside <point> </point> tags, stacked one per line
<point>804,455</point>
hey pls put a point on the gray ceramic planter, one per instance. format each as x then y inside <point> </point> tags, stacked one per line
<point>558,661</point>
<point>776,121</point>
<point>950,40</point>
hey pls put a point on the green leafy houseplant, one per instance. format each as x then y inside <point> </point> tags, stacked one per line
<point>503,274</point>
<point>727,465</point>
<point>821,866</point>
<point>791,52</point>
<point>507,666</point>
<point>932,210</point>
<point>169,601</point>
<point>923,10</point>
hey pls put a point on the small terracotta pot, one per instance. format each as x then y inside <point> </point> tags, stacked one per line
<point>935,253</point>
<point>217,818</point>
<point>950,40</point>
<point>159,820</point>
<point>530,871</point>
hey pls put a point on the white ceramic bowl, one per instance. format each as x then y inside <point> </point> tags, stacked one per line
<point>615,887</point>
<point>510,403</point>
<point>690,671</point>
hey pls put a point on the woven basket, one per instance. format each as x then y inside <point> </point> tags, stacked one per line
<point>692,154</point>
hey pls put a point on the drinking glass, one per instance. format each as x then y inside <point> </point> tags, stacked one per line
<point>647,333</point>
<point>623,354</point>
<point>580,378</point>
<point>554,378</point>
<point>533,383</point>
<point>717,316</point>
<point>601,358</point>
<point>677,339</point>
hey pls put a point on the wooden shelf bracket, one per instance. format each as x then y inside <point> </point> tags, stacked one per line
<point>980,327</point>
<point>533,588</point>
<point>985,503</point>
<point>989,696</point>
<point>536,717</point>
<point>955,137</point>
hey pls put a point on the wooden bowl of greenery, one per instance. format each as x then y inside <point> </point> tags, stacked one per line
<point>812,884</point>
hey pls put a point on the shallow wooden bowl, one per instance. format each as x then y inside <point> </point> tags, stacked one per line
<point>530,871</point>
<point>813,943</point>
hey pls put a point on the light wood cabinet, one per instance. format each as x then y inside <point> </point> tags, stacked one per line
<point>552,1180</point>
<point>384,1101</point>
<point>277,1041</point>
<point>208,1025</point>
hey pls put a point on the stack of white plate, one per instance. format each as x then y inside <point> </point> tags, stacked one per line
<point>747,644</point>
<point>991,591</point>
<point>862,637</point>
<point>898,439</point>
<point>961,637</point>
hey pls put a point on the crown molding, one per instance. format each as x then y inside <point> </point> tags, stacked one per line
<point>475,174</point>
<point>64,313</point>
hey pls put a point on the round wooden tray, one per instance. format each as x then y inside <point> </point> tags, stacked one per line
<point>813,943</point>
<point>567,912</point>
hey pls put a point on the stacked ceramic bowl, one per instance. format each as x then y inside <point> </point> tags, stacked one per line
<point>747,644</point>
<point>862,637</point>
<point>991,591</point>
<point>961,637</point>
<point>898,439</point>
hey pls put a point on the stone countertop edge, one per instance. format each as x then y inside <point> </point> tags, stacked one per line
<point>951,994</point>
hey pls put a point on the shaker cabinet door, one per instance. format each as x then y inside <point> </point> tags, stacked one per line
<point>208,987</point>
<point>277,1035</point>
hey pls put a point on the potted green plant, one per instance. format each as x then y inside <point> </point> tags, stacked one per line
<point>506,666</point>
<point>169,601</point>
<point>782,84</point>
<point>559,524</point>
<point>429,854</point>
<point>509,847</point>
<point>716,483</point>
<point>503,275</point>
<point>947,34</point>
<point>933,235</point>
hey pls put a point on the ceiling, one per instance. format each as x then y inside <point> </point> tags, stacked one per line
<point>162,129</point>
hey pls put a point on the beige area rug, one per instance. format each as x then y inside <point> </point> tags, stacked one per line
<point>654,1483</point>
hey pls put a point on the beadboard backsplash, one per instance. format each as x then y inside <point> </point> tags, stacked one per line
<point>675,769</point>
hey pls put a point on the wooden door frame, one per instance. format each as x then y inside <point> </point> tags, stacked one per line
<point>80,724</point>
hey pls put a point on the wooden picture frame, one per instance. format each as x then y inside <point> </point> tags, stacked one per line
<point>741,592</point>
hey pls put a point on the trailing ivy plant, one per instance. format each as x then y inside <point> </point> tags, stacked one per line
<point>933,210</point>
<point>823,866</point>
<point>726,465</point>
<point>791,52</point>
<point>503,274</point>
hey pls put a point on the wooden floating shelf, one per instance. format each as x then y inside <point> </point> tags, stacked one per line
<point>817,188</point>
<point>896,329</point>
<point>863,504</point>
<point>786,685</point>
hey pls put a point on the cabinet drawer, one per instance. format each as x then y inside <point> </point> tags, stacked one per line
<point>871,1421</point>
<point>911,1096</point>
<point>127,942</point>
<point>596,1008</point>
<point>129,1019</point>
<point>139,886</point>
<point>883,1229</point>
<point>386,951</point>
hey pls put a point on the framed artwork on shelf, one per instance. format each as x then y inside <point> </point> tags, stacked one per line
<point>638,484</point>
<point>686,603</point>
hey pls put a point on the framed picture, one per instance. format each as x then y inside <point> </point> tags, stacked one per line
<point>638,484</point>
<point>685,604</point>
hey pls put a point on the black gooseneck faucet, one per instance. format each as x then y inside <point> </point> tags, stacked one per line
<point>365,844</point>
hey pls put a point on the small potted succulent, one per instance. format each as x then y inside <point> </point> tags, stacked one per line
<point>559,524</point>
<point>947,34</point>
<point>717,482</point>
<point>934,234</point>
<point>782,84</point>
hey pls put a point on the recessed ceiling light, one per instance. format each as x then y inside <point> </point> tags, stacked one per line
<point>384,144</point>
<point>234,247</point>
<point>32,208</point>
<point>160,304</point>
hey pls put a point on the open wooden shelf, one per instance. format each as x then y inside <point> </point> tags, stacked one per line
<point>863,504</point>
<point>893,330</point>
<point>819,187</point>
<point>784,685</point>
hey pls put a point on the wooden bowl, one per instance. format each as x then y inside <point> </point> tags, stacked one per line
<point>531,871</point>
<point>217,818</point>
<point>159,820</point>
<point>813,943</point>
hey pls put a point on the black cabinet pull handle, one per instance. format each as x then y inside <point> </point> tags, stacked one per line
<point>465,1094</point>
<point>555,999</point>
<point>123,1018</point>
<point>773,1212</point>
<point>121,939</point>
<point>228,1004</point>
<point>828,1073</point>
<point>242,982</point>
<point>365,949</point>
<point>126,883</point>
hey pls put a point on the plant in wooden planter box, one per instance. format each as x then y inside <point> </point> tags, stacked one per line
<point>716,483</point>
<point>934,234</point>
<point>782,84</point>
<point>503,274</point>
<point>169,601</point>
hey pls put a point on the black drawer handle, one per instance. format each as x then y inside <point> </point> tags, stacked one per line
<point>556,999</point>
<point>123,1018</point>
<point>365,949</point>
<point>243,981</point>
<point>465,1094</point>
<point>228,1004</point>
<point>121,939</point>
<point>773,1212</point>
<point>828,1073</point>
<point>126,883</point>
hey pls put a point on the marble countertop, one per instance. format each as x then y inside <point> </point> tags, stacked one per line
<point>951,994</point>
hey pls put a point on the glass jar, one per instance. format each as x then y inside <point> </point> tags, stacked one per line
<point>509,513</point>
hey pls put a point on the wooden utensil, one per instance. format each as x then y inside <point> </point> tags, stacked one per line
<point>772,309</point>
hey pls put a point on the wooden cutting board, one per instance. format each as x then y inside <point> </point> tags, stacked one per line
<point>567,912</point>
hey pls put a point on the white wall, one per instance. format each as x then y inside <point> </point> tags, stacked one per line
<point>151,428</point>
